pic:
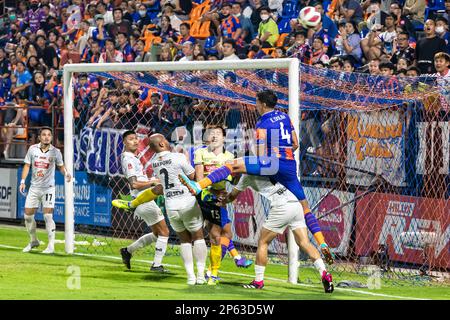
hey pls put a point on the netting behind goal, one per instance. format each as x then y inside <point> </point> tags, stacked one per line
<point>374,159</point>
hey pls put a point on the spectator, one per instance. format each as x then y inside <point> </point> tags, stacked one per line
<point>350,10</point>
<point>413,71</point>
<point>401,20</point>
<point>144,17</point>
<point>175,22</point>
<point>442,66</point>
<point>188,51</point>
<point>106,14</point>
<point>34,65</point>
<point>82,35</point>
<point>336,64</point>
<point>442,31</point>
<point>46,54</point>
<point>185,30</point>
<point>141,55</point>
<point>230,27</point>
<point>22,79</point>
<point>228,50</point>
<point>99,33</point>
<point>34,17</point>
<point>348,66</point>
<point>70,54</point>
<point>402,49</point>
<point>427,48</point>
<point>390,33</point>
<point>110,54</point>
<point>198,50</point>
<point>415,10</point>
<point>166,31</point>
<point>119,25</point>
<point>125,48</point>
<point>351,42</point>
<point>402,64</point>
<point>38,99</point>
<point>300,49</point>
<point>376,15</point>
<point>268,29</point>
<point>166,54</point>
<point>328,25</point>
<point>374,67</point>
<point>372,45</point>
<point>318,52</point>
<point>91,54</point>
<point>246,24</point>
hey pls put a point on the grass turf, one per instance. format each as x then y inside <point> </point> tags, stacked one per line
<point>103,276</point>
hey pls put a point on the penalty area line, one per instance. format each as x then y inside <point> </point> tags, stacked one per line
<point>239,274</point>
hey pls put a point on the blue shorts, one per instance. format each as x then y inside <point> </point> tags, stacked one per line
<point>212,213</point>
<point>277,170</point>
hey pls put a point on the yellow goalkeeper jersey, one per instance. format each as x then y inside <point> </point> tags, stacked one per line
<point>211,162</point>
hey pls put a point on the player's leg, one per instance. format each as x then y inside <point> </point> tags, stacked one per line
<point>143,197</point>
<point>265,239</point>
<point>215,253</point>
<point>162,232</point>
<point>228,245</point>
<point>30,224</point>
<point>48,203</point>
<point>301,238</point>
<point>187,254</point>
<point>222,173</point>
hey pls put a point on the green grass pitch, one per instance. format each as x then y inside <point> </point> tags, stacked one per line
<point>38,276</point>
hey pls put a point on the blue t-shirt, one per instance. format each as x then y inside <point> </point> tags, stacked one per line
<point>274,129</point>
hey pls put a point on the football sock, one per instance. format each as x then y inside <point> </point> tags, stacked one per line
<point>160,250</point>
<point>215,255</point>
<point>30,224</point>
<point>51,229</point>
<point>188,259</point>
<point>200,252</point>
<point>259,273</point>
<point>320,265</point>
<point>234,253</point>
<point>143,241</point>
<point>313,226</point>
<point>143,197</point>
<point>216,176</point>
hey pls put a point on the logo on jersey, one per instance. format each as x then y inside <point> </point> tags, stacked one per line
<point>130,166</point>
<point>40,174</point>
<point>41,164</point>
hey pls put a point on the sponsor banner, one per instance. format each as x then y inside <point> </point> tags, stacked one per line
<point>335,213</point>
<point>376,144</point>
<point>92,202</point>
<point>410,227</point>
<point>8,187</point>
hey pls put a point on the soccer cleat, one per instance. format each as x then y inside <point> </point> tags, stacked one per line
<point>329,257</point>
<point>254,285</point>
<point>213,281</point>
<point>31,245</point>
<point>243,262</point>
<point>201,280</point>
<point>126,257</point>
<point>122,204</point>
<point>327,281</point>
<point>49,250</point>
<point>193,186</point>
<point>159,268</point>
<point>191,281</point>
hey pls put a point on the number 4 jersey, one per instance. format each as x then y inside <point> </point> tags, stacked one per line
<point>166,167</point>
<point>43,165</point>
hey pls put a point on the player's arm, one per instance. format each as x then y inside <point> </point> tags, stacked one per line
<point>199,172</point>
<point>64,172</point>
<point>141,185</point>
<point>25,170</point>
<point>294,141</point>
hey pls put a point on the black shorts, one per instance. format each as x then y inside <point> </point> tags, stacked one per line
<point>212,213</point>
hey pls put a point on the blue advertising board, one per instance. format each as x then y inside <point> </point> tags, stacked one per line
<point>92,202</point>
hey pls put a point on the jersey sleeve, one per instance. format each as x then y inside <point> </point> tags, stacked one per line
<point>27,159</point>
<point>59,158</point>
<point>198,156</point>
<point>243,183</point>
<point>128,168</point>
<point>185,165</point>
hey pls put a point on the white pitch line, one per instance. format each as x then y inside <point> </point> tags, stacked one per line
<point>242,275</point>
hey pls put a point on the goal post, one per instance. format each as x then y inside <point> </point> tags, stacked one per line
<point>290,64</point>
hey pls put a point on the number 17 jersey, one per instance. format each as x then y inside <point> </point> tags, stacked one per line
<point>166,167</point>
<point>274,129</point>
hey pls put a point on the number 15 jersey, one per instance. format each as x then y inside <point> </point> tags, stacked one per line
<point>166,167</point>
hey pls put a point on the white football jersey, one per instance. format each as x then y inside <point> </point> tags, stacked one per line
<point>132,167</point>
<point>275,193</point>
<point>43,165</point>
<point>166,167</point>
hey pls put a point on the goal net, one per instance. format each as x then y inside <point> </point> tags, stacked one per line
<point>373,156</point>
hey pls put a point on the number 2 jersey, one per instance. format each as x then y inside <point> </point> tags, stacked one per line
<point>166,167</point>
<point>274,129</point>
<point>43,165</point>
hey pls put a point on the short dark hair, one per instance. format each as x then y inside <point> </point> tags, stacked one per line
<point>440,18</point>
<point>336,60</point>
<point>386,65</point>
<point>414,68</point>
<point>110,40</point>
<point>268,97</point>
<point>127,133</point>
<point>45,128</point>
<point>118,9</point>
<point>227,4</point>
<point>216,126</point>
<point>230,41</point>
<point>40,36</point>
<point>187,25</point>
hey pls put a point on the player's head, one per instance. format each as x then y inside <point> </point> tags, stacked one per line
<point>46,136</point>
<point>158,143</point>
<point>215,136</point>
<point>265,99</point>
<point>130,141</point>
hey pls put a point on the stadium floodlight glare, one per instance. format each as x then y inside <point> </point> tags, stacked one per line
<point>292,64</point>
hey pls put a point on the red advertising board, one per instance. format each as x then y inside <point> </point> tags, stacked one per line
<point>407,225</point>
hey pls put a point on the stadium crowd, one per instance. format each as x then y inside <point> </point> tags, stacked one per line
<point>37,38</point>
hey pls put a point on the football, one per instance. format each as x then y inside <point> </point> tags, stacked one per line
<point>309,17</point>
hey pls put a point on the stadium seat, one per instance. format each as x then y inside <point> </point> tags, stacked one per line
<point>284,25</point>
<point>210,42</point>
<point>280,40</point>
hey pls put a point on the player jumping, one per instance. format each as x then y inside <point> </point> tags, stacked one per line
<point>276,142</point>
<point>284,212</point>
<point>42,158</point>
<point>206,160</point>
<point>149,211</point>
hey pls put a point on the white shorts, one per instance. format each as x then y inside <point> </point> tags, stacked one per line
<point>189,218</point>
<point>283,215</point>
<point>149,212</point>
<point>36,196</point>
